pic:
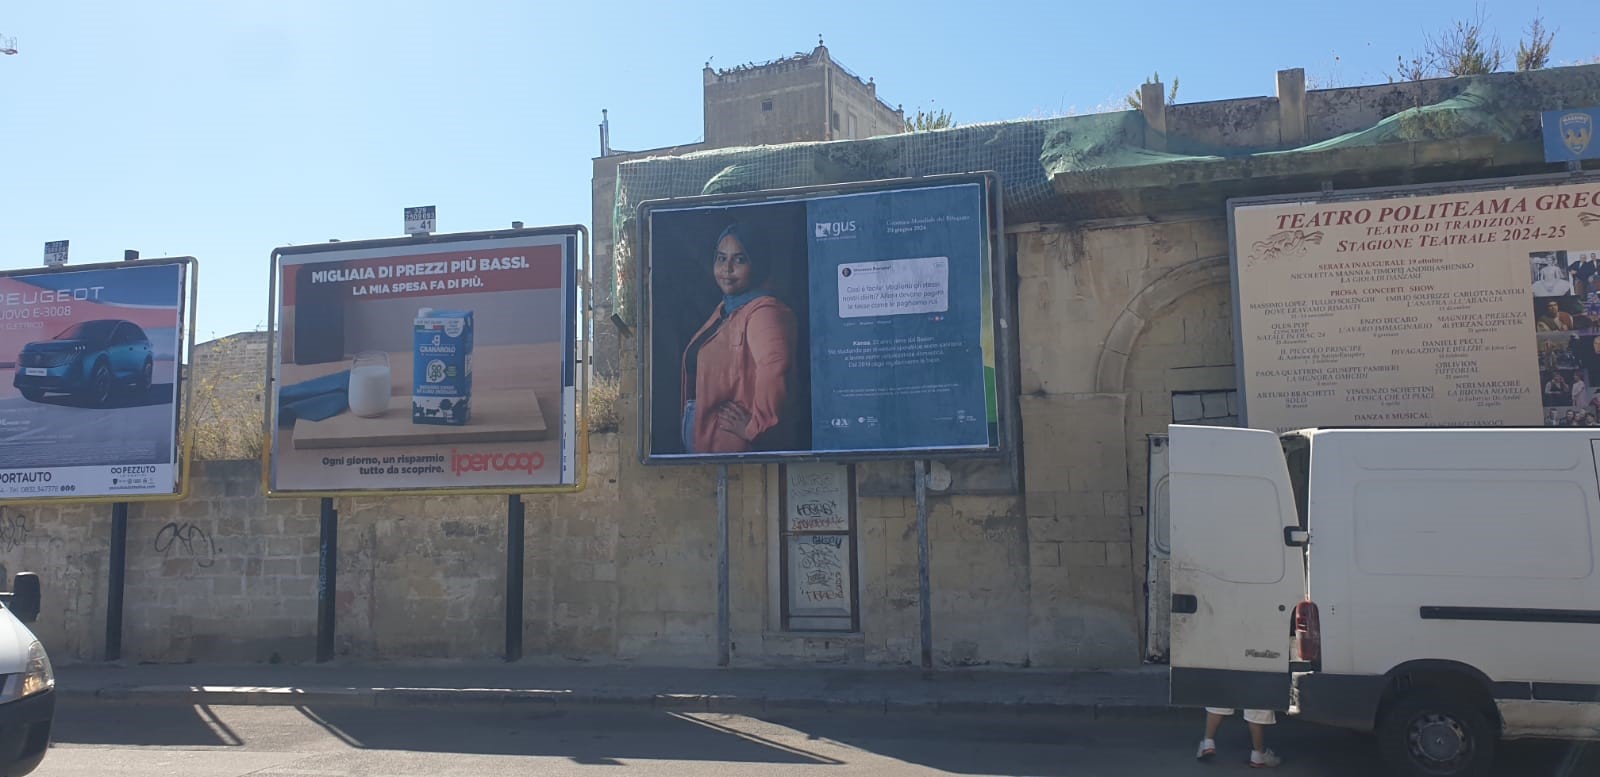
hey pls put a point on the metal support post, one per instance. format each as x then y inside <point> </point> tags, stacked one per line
<point>116,579</point>
<point>514,566</point>
<point>118,576</point>
<point>327,579</point>
<point>723,637</point>
<point>924,589</point>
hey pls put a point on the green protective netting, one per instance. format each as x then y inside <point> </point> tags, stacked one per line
<point>1046,166</point>
<point>1010,149</point>
<point>1483,109</point>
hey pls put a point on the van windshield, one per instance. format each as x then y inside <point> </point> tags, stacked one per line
<point>1297,454</point>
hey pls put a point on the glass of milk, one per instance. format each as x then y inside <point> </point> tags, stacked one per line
<point>369,384</point>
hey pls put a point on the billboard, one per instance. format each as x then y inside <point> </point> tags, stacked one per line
<point>1476,304</point>
<point>89,404</point>
<point>440,364</point>
<point>849,324</point>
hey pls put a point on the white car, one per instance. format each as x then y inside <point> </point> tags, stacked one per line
<point>28,693</point>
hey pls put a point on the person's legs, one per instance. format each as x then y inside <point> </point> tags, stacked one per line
<point>1260,756</point>
<point>1208,745</point>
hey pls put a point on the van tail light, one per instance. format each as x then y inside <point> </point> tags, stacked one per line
<point>1308,631</point>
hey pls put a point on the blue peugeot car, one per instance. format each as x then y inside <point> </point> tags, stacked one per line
<point>90,361</point>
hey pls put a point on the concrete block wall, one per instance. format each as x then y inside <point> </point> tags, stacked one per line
<point>421,577</point>
<point>68,548</point>
<point>222,574</point>
<point>227,575</point>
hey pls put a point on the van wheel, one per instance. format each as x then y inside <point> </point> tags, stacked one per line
<point>1433,734</point>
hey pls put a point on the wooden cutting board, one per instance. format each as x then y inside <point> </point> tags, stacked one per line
<point>499,416</point>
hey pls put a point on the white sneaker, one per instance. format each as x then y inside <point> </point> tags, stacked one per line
<point>1264,760</point>
<point>1207,749</point>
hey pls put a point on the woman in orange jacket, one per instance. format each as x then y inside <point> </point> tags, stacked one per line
<point>736,369</point>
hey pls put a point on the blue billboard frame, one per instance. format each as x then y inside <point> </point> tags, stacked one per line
<point>1000,326</point>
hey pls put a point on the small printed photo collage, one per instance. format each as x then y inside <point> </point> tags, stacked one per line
<point>1566,303</point>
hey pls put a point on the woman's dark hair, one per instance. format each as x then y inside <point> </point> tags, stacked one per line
<point>760,264</point>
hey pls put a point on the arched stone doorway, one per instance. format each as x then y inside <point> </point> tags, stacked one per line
<point>1175,337</point>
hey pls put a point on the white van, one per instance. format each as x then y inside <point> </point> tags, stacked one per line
<point>27,693</point>
<point>1436,586</point>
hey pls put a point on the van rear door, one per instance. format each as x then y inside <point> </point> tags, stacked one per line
<point>1235,576</point>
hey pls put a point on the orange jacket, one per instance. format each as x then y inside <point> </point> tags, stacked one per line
<point>747,362</point>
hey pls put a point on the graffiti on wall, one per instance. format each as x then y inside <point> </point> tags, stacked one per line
<point>13,529</point>
<point>181,539</point>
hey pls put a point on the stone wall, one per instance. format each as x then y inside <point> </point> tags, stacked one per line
<point>624,571</point>
<point>1113,317</point>
<point>227,575</point>
<point>797,89</point>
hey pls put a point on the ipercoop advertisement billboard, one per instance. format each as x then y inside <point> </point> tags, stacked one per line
<point>445,363</point>
<point>853,324</point>
<point>1475,304</point>
<point>89,380</point>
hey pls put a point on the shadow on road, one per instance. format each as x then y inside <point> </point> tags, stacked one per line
<point>1041,747</point>
<point>594,738</point>
<point>649,736</point>
<point>173,725</point>
<point>995,745</point>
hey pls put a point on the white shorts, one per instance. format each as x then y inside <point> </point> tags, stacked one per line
<point>1261,717</point>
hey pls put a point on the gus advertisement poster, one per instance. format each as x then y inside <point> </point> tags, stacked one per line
<point>1440,308</point>
<point>444,365</point>
<point>89,381</point>
<point>831,326</point>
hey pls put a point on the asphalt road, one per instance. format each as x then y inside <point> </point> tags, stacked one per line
<point>61,432</point>
<point>101,738</point>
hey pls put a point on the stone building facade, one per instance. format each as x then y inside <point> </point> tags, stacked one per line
<point>1122,322</point>
<point>806,97</point>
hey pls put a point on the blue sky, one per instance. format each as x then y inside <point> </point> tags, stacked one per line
<point>224,129</point>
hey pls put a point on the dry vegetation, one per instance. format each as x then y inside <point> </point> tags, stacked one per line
<point>225,406</point>
<point>605,398</point>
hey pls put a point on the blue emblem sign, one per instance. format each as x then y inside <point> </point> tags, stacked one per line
<point>1569,135</point>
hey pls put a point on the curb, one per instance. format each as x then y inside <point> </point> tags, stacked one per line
<point>564,700</point>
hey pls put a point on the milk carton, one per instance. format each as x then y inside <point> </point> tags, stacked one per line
<point>441,387</point>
